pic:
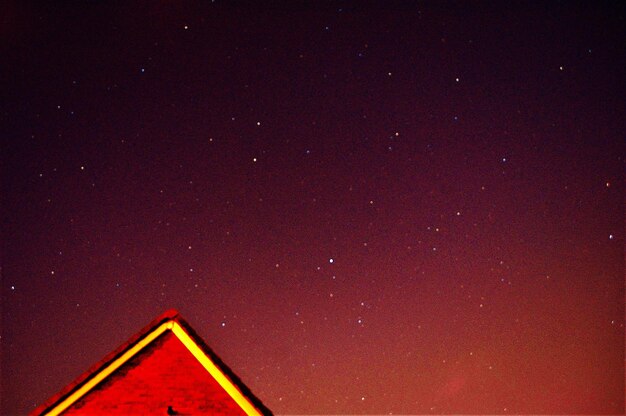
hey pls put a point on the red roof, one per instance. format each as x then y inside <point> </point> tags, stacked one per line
<point>166,368</point>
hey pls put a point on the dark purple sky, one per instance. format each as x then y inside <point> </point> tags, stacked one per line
<point>408,209</point>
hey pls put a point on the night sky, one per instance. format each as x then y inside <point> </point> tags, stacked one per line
<point>407,209</point>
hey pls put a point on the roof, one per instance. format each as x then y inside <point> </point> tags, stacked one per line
<point>171,321</point>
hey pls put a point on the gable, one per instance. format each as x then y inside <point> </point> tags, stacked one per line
<point>166,366</point>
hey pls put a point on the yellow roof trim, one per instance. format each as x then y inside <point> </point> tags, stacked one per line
<point>193,348</point>
<point>217,374</point>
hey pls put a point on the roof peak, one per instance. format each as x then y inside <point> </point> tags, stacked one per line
<point>170,313</point>
<point>170,320</point>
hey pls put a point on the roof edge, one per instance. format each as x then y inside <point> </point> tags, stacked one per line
<point>169,315</point>
<point>234,379</point>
